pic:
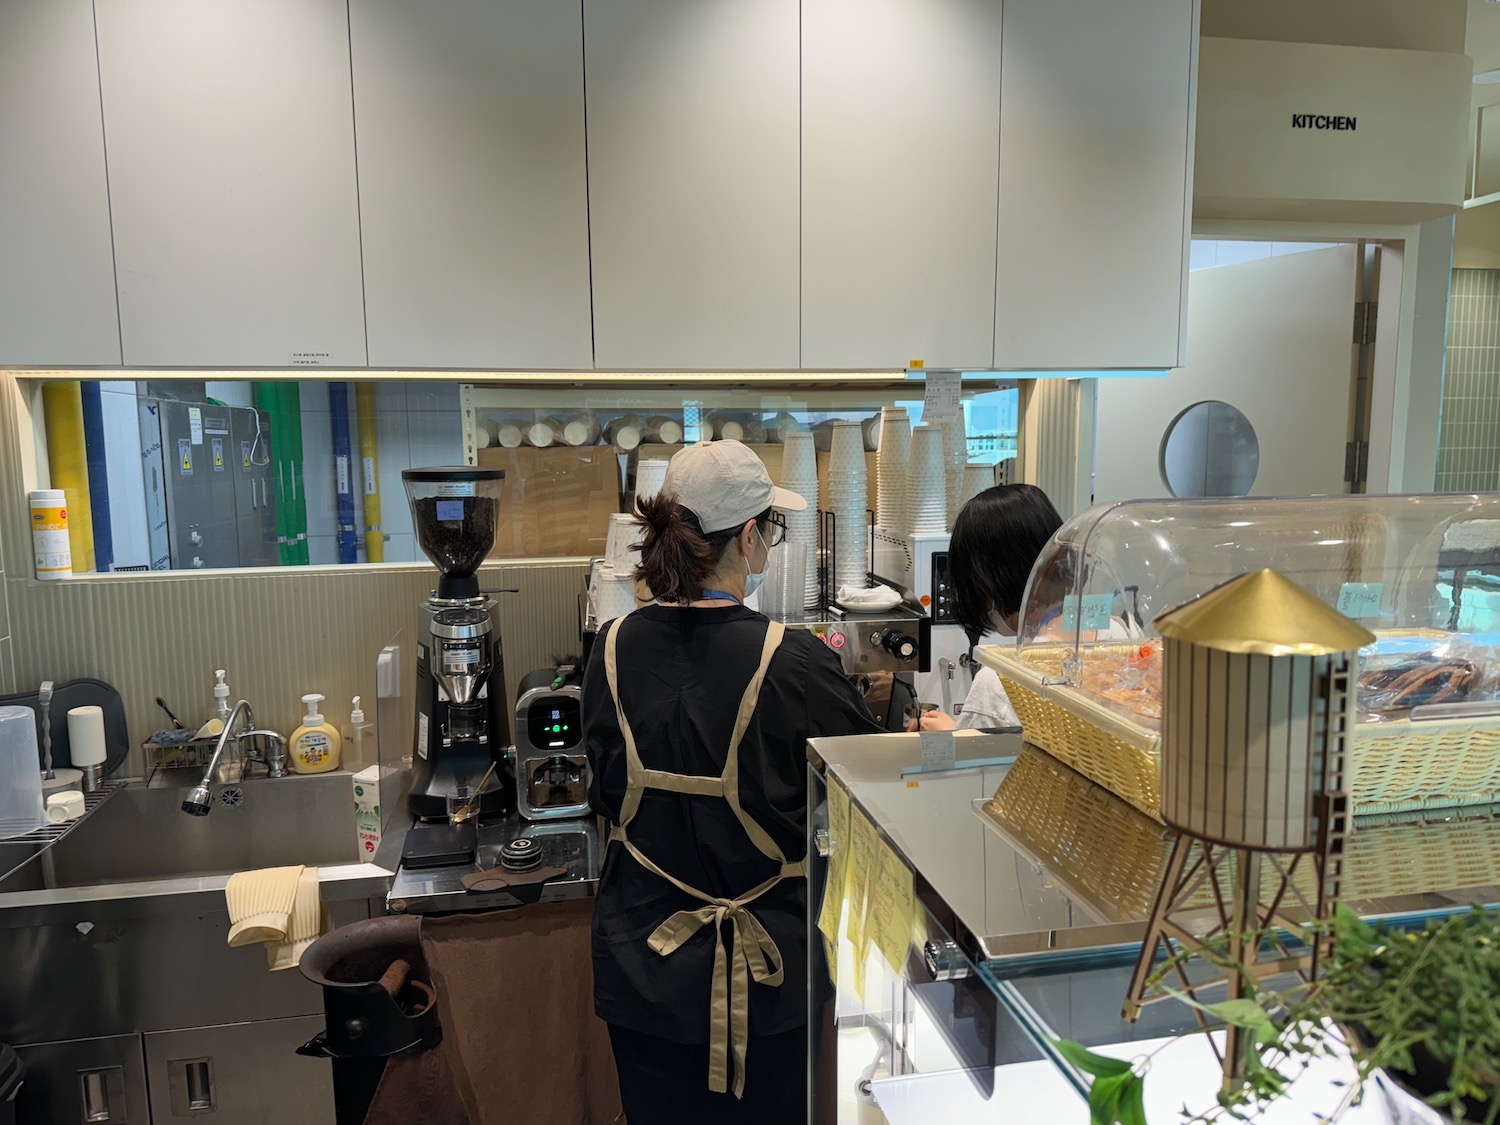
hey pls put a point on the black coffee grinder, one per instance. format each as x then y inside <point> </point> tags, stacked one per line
<point>462,721</point>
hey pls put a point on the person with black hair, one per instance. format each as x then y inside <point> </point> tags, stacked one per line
<point>996,540</point>
<point>696,716</point>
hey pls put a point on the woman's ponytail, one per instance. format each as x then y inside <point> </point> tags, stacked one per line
<point>677,559</point>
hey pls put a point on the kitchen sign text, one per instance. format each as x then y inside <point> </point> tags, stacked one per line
<point>1323,121</point>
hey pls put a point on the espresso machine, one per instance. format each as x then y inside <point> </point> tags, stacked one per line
<point>552,766</point>
<point>462,725</point>
<point>917,565</point>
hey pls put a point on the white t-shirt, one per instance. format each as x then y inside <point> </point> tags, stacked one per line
<point>987,705</point>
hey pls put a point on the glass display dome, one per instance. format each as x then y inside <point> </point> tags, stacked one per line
<point>1422,572</point>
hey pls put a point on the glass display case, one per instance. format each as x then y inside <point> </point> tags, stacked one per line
<point>1422,572</point>
<point>1014,902</point>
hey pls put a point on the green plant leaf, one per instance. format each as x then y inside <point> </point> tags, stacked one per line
<point>1104,1098</point>
<point>1133,1101</point>
<point>1244,1013</point>
<point>1085,1060</point>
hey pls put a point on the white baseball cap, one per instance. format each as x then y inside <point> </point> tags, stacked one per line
<point>724,484</point>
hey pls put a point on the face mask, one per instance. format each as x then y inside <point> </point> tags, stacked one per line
<point>752,579</point>
<point>999,624</point>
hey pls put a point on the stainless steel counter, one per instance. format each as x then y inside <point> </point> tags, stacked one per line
<point>1017,912</point>
<point>577,846</point>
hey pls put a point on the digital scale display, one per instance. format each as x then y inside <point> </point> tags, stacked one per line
<point>554,724</point>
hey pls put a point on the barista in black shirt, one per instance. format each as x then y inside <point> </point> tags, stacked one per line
<point>696,715</point>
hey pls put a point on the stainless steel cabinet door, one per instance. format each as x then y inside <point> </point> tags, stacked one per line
<point>239,1074</point>
<point>84,1082</point>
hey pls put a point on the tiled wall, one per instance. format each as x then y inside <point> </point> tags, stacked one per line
<point>1469,433</point>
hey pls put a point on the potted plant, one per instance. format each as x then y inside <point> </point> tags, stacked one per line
<point>1420,1006</point>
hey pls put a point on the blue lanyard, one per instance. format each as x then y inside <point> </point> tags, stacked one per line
<point>719,596</point>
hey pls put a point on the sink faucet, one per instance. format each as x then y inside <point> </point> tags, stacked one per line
<point>199,799</point>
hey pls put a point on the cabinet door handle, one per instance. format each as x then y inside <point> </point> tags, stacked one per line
<point>102,1092</point>
<point>190,1087</point>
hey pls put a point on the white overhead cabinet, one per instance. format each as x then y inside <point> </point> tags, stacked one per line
<point>1096,142</point>
<point>472,185</point>
<point>693,182</point>
<point>900,128</point>
<point>230,135</point>
<point>57,280</point>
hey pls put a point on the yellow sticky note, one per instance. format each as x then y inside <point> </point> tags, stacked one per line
<point>838,811</point>
<point>863,871</point>
<point>890,907</point>
<point>834,892</point>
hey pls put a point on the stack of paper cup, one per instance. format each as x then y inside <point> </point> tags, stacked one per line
<point>781,426</point>
<point>626,432</point>
<point>977,478</point>
<point>799,472</point>
<point>847,482</point>
<point>650,474</point>
<point>927,483</point>
<point>580,429</point>
<point>955,458</point>
<point>781,594</point>
<point>625,532</point>
<point>726,428</point>
<point>667,431</point>
<point>505,433</point>
<point>543,432</point>
<point>611,594</point>
<point>890,470</point>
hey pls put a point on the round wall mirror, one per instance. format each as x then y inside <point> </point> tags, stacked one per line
<point>1210,449</point>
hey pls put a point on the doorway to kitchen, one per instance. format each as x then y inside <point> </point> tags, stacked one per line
<point>1274,399</point>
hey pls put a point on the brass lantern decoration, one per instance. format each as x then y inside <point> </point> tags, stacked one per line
<point>1257,711</point>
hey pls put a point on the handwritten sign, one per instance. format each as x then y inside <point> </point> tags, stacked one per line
<point>1090,612</point>
<point>1360,599</point>
<point>890,908</point>
<point>836,885</point>
<point>863,871</point>
<point>942,399</point>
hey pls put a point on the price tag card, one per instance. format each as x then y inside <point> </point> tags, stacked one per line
<point>941,402</point>
<point>937,750</point>
<point>1360,599</point>
<point>1095,611</point>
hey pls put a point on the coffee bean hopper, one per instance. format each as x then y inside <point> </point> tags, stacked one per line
<point>378,1001</point>
<point>552,769</point>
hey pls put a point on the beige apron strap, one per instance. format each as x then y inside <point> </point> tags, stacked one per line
<point>683,783</point>
<point>758,835</point>
<point>633,767</point>
<point>756,957</point>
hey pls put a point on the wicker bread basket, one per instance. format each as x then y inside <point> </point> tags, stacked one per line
<point>1108,857</point>
<point>1398,765</point>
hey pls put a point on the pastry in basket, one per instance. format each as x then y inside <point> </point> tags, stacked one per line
<point>1128,677</point>
<point>1417,681</point>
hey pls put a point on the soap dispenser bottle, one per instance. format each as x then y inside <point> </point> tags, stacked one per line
<point>359,737</point>
<point>315,744</point>
<point>221,697</point>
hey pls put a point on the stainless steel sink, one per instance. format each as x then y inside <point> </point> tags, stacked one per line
<point>121,926</point>
<point>141,834</point>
